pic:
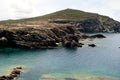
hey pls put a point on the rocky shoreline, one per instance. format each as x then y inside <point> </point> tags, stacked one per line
<point>13,75</point>
<point>30,37</point>
<point>55,29</point>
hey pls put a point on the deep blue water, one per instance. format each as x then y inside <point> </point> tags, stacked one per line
<point>103,60</point>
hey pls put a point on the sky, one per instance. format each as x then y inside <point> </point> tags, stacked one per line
<point>17,9</point>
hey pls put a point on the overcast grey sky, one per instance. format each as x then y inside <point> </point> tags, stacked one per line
<point>15,9</point>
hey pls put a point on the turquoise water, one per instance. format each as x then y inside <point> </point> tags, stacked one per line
<point>103,60</point>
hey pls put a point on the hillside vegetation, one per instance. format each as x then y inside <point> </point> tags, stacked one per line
<point>69,14</point>
<point>63,14</point>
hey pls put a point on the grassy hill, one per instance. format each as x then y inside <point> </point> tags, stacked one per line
<point>69,14</point>
<point>91,22</point>
<point>63,14</point>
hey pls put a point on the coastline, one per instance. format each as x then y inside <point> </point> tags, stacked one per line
<point>52,33</point>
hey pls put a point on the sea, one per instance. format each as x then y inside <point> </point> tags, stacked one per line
<point>87,63</point>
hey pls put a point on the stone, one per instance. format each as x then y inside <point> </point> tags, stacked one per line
<point>19,67</point>
<point>92,45</point>
<point>98,36</point>
<point>16,72</point>
<point>72,44</point>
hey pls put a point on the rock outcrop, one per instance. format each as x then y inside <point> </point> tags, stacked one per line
<point>92,45</point>
<point>47,34</point>
<point>14,74</point>
<point>98,36</point>
<point>73,44</point>
<point>39,38</point>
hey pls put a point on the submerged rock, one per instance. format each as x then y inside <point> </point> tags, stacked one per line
<point>76,76</point>
<point>92,45</point>
<point>98,36</point>
<point>48,77</point>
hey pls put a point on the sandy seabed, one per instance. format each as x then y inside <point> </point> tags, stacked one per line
<point>75,76</point>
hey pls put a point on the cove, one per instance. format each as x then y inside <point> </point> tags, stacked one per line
<point>103,60</point>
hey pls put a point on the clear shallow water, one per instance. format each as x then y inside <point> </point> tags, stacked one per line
<point>103,60</point>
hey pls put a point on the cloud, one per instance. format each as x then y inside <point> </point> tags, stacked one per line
<point>15,9</point>
<point>22,9</point>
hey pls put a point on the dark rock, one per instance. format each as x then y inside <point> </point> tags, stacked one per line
<point>92,45</point>
<point>3,77</point>
<point>72,44</point>
<point>70,30</point>
<point>6,39</point>
<point>21,32</point>
<point>72,37</point>
<point>3,42</point>
<point>16,72</point>
<point>98,36</point>
<point>69,45</point>
<point>10,78</point>
<point>89,25</point>
<point>99,24</point>
<point>58,32</point>
<point>19,67</point>
<point>14,75</point>
<point>81,43</point>
<point>7,34</point>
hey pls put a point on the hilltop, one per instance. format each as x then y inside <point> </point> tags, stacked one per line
<point>69,14</point>
<point>62,14</point>
<point>61,28</point>
<point>87,22</point>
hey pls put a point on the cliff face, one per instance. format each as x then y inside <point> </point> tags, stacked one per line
<point>93,25</point>
<point>87,22</point>
<point>52,30</point>
<point>98,25</point>
<point>39,37</point>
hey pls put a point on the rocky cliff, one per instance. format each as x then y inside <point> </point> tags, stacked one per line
<point>86,22</point>
<point>39,36</point>
<point>62,28</point>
